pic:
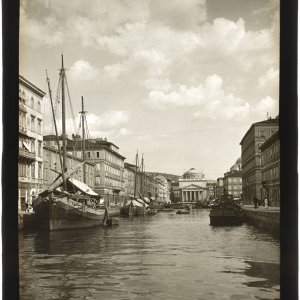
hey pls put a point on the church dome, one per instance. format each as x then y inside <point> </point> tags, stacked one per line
<point>192,174</point>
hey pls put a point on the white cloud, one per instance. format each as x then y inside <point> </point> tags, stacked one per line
<point>267,105</point>
<point>82,70</point>
<point>37,33</point>
<point>209,100</point>
<point>125,131</point>
<point>225,109</point>
<point>270,77</point>
<point>113,71</point>
<point>107,120</point>
<point>186,95</point>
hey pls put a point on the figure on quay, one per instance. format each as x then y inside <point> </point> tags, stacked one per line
<point>255,200</point>
<point>266,202</point>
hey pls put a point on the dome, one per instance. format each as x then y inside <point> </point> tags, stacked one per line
<point>237,166</point>
<point>192,174</point>
<point>239,161</point>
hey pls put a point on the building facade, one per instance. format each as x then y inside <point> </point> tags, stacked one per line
<point>109,166</point>
<point>211,186</point>
<point>256,135</point>
<point>52,166</point>
<point>233,184</point>
<point>233,181</point>
<point>270,164</point>
<point>30,160</point>
<point>162,189</point>
<point>220,187</point>
<point>192,185</point>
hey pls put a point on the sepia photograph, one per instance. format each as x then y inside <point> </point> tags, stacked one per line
<point>149,149</point>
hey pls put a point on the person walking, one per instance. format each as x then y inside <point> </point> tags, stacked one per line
<point>255,200</point>
<point>266,202</point>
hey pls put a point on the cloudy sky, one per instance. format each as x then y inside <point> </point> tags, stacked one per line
<point>181,81</point>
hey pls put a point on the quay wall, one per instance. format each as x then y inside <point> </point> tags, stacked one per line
<point>267,219</point>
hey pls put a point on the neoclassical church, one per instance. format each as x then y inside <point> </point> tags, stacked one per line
<point>192,186</point>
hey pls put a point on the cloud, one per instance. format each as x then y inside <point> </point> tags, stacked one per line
<point>265,106</point>
<point>107,120</point>
<point>82,70</point>
<point>228,108</point>
<point>270,77</point>
<point>37,33</point>
<point>209,100</point>
<point>179,14</point>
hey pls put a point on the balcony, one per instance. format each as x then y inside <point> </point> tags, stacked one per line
<point>27,155</point>
<point>22,129</point>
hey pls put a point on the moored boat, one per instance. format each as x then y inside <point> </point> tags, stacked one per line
<point>183,212</point>
<point>133,207</point>
<point>69,203</point>
<point>226,213</point>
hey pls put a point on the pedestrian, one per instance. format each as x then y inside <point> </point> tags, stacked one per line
<point>255,200</point>
<point>266,202</point>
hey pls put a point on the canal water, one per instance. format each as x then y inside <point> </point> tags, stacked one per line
<point>165,256</point>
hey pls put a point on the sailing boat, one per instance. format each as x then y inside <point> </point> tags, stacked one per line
<point>68,203</point>
<point>134,206</point>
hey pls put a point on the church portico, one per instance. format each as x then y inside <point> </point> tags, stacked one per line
<point>193,186</point>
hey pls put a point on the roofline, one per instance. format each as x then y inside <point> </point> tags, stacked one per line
<point>265,122</point>
<point>30,85</point>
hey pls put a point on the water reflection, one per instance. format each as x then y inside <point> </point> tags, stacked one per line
<point>165,256</point>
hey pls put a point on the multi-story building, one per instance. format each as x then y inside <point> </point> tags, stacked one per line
<point>193,186</point>
<point>220,187</point>
<point>233,181</point>
<point>109,166</point>
<point>211,186</point>
<point>175,192</point>
<point>162,189</point>
<point>129,179</point>
<point>270,163</point>
<point>233,184</point>
<point>256,135</point>
<point>52,166</point>
<point>30,162</point>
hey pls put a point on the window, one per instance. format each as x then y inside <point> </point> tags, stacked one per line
<point>39,126</point>
<point>40,170</point>
<point>32,102</point>
<point>97,180</point>
<point>40,149</point>
<point>32,123</point>
<point>98,167</point>
<point>33,171</point>
<point>98,154</point>
<point>39,106</point>
<point>32,146</point>
<point>88,154</point>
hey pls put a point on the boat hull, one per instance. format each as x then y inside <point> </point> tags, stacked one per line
<point>132,211</point>
<point>225,216</point>
<point>64,213</point>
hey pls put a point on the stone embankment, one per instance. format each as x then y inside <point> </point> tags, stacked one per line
<point>263,217</point>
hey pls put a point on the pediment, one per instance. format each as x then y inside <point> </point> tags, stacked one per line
<point>193,187</point>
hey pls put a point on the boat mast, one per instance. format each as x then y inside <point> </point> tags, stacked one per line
<point>142,175</point>
<point>63,103</point>
<point>56,131</point>
<point>83,136</point>
<point>136,166</point>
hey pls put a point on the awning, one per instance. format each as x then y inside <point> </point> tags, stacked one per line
<point>83,187</point>
<point>147,200</point>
